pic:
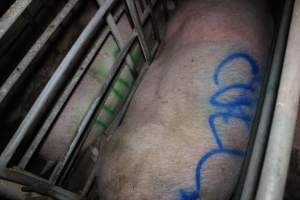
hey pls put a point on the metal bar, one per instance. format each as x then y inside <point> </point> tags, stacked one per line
<point>165,8</point>
<point>76,151</point>
<point>36,184</point>
<point>66,94</point>
<point>92,112</point>
<point>89,182</point>
<point>12,14</point>
<point>118,38</point>
<point>276,163</point>
<point>70,88</point>
<point>22,68</point>
<point>60,103</point>
<point>56,82</point>
<point>116,122</point>
<point>257,149</point>
<point>139,29</point>
<point>153,22</point>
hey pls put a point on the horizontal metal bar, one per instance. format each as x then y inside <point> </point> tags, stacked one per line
<point>22,68</point>
<point>36,184</point>
<point>66,94</point>
<point>56,82</point>
<point>93,110</point>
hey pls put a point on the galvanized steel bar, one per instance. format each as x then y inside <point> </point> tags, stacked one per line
<point>36,184</point>
<point>118,38</point>
<point>12,14</point>
<point>276,163</point>
<point>261,137</point>
<point>56,82</point>
<point>89,182</point>
<point>62,100</point>
<point>153,22</point>
<point>93,111</point>
<point>139,29</point>
<point>22,68</point>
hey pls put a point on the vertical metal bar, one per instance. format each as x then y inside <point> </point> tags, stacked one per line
<point>257,149</point>
<point>165,8</point>
<point>276,163</point>
<point>56,82</point>
<point>119,40</point>
<point>153,22</point>
<point>139,29</point>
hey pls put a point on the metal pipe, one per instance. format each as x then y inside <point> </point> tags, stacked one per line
<point>256,148</point>
<point>118,38</point>
<point>12,14</point>
<point>24,67</point>
<point>276,163</point>
<point>138,27</point>
<point>71,86</point>
<point>84,66</point>
<point>55,84</point>
<point>92,113</point>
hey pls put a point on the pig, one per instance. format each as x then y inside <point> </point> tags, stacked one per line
<point>185,133</point>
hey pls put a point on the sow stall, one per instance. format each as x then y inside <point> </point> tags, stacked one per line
<point>50,50</point>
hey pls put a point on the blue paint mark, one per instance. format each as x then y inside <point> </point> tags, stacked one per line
<point>236,107</point>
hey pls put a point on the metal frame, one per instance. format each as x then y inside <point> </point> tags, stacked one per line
<point>22,69</point>
<point>259,136</point>
<point>148,53</point>
<point>52,100</point>
<point>279,148</point>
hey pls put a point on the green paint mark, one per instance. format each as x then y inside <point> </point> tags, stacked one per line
<point>123,82</point>
<point>101,123</point>
<point>134,57</point>
<point>118,94</point>
<point>108,110</point>
<point>116,53</point>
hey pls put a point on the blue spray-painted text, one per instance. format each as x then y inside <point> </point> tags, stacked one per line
<point>227,107</point>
